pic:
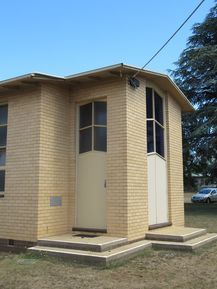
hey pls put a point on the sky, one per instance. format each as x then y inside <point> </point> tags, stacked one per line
<point>63,37</point>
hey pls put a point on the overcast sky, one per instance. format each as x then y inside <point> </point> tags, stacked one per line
<point>64,37</point>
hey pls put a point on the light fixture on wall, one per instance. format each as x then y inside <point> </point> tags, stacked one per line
<point>134,82</point>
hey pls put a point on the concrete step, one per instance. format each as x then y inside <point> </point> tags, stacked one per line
<point>95,244</point>
<point>188,245</point>
<point>101,258</point>
<point>175,234</point>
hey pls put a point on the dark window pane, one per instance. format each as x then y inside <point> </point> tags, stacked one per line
<point>85,140</point>
<point>149,104</point>
<point>3,114</point>
<point>2,157</point>
<point>158,108</point>
<point>3,136</point>
<point>159,140</point>
<point>86,115</point>
<point>100,112</point>
<point>100,139</point>
<point>2,181</point>
<point>150,137</point>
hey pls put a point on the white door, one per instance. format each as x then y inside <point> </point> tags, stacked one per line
<point>157,190</point>
<point>91,166</point>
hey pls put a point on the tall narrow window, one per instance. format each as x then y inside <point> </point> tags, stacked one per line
<point>93,127</point>
<point>155,122</point>
<point>3,143</point>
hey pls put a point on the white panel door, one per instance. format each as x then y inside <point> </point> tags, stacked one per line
<point>161,190</point>
<point>151,191</point>
<point>157,190</point>
<point>91,191</point>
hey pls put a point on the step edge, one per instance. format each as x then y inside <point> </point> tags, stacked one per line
<point>175,238</point>
<point>75,252</point>
<point>203,237</point>
<point>84,253</point>
<point>183,245</point>
<point>209,235</point>
<point>83,246</point>
<point>203,242</point>
<point>137,248</point>
<point>75,246</point>
<point>100,244</point>
<point>198,233</point>
<point>164,237</point>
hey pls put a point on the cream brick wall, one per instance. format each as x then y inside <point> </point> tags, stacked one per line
<point>54,161</point>
<point>175,163</point>
<point>115,93</point>
<point>137,190</point>
<point>18,209</point>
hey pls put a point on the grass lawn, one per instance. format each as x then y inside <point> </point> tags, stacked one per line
<point>152,270</point>
<point>201,216</point>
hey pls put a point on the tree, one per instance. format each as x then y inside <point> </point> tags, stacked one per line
<point>196,75</point>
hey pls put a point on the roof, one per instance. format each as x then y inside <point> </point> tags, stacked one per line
<point>162,80</point>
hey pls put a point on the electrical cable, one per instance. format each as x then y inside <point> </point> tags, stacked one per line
<point>162,47</point>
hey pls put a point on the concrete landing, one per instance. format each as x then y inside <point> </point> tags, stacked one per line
<point>175,234</point>
<point>86,242</point>
<point>102,249</point>
<point>188,245</point>
<point>101,258</point>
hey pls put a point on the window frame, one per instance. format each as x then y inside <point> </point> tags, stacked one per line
<point>3,167</point>
<point>92,126</point>
<point>155,121</point>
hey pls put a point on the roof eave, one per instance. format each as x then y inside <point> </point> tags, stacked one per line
<point>181,98</point>
<point>95,71</point>
<point>116,69</point>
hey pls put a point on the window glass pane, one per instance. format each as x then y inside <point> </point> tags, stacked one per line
<point>159,140</point>
<point>150,137</point>
<point>85,140</point>
<point>2,181</point>
<point>2,157</point>
<point>158,101</point>
<point>3,114</point>
<point>149,104</point>
<point>86,115</point>
<point>100,139</point>
<point>3,136</point>
<point>100,112</point>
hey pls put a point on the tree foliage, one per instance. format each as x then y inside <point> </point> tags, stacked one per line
<point>196,75</point>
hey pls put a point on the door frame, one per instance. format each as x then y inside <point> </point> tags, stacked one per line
<point>76,126</point>
<point>164,97</point>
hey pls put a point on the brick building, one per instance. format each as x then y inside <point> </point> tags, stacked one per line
<point>90,152</point>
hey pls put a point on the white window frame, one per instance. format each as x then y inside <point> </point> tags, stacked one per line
<point>90,126</point>
<point>157,122</point>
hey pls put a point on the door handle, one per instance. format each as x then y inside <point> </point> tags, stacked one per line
<point>105,184</point>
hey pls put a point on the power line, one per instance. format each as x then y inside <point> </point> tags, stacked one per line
<point>162,47</point>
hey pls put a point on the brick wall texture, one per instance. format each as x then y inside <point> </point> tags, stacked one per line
<point>41,160</point>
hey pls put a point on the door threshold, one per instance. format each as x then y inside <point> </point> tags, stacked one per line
<point>90,230</point>
<point>161,225</point>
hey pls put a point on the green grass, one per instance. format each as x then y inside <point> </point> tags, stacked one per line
<point>201,216</point>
